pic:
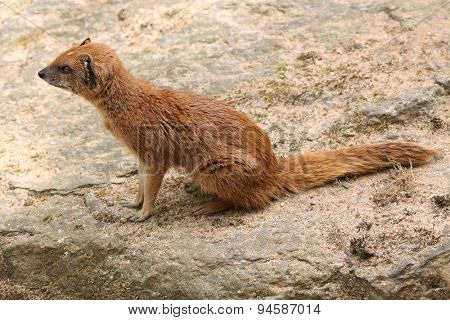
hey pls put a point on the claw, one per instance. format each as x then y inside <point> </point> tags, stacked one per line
<point>141,216</point>
<point>131,205</point>
<point>136,218</point>
<point>196,211</point>
<point>201,210</point>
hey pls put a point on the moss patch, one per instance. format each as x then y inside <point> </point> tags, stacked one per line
<point>29,38</point>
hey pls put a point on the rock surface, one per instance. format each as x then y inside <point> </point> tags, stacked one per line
<point>311,73</point>
<point>443,81</point>
<point>405,106</point>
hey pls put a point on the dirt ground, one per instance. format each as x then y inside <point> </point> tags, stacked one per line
<point>313,74</point>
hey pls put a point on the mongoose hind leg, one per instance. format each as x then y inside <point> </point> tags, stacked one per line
<point>211,207</point>
<point>238,182</point>
<point>152,184</point>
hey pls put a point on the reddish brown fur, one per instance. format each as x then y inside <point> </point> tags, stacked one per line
<point>226,152</point>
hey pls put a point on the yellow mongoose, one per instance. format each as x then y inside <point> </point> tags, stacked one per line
<point>226,152</point>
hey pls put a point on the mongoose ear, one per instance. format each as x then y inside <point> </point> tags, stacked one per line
<point>89,70</point>
<point>86,41</point>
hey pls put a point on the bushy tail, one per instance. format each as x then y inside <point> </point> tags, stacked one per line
<point>317,168</point>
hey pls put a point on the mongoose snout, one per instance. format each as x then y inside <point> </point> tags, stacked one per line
<point>42,74</point>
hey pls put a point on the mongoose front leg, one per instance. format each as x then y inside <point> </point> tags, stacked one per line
<point>152,184</point>
<point>139,200</point>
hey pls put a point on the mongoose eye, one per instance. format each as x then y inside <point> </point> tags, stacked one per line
<point>65,69</point>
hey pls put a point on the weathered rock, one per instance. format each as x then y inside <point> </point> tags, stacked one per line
<point>405,106</point>
<point>443,81</point>
<point>428,278</point>
<point>102,268</point>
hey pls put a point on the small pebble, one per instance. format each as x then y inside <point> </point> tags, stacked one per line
<point>122,15</point>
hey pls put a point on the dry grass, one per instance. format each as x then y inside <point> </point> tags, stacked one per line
<point>359,248</point>
<point>398,185</point>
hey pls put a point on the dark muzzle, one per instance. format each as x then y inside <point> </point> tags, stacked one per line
<point>42,74</point>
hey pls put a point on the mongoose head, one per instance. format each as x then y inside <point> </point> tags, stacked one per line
<point>84,70</point>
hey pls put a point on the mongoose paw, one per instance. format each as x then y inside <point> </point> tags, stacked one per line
<point>138,218</point>
<point>131,205</point>
<point>142,215</point>
<point>211,207</point>
<point>191,187</point>
<point>197,211</point>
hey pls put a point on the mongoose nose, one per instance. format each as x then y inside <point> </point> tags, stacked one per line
<point>41,74</point>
